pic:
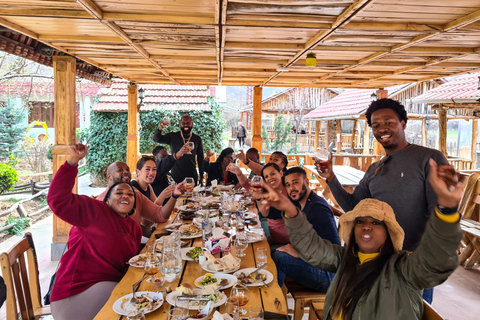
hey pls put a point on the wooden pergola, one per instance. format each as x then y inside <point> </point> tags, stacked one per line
<point>358,44</point>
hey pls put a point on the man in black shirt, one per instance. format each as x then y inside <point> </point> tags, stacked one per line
<point>186,165</point>
<point>165,163</point>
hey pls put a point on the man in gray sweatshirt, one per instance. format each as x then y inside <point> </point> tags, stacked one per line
<point>400,178</point>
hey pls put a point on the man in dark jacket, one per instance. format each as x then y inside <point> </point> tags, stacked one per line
<point>186,166</point>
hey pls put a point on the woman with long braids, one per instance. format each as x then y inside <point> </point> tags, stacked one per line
<point>374,278</point>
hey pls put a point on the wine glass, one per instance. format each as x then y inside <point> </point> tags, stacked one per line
<point>322,157</point>
<point>240,291</point>
<point>152,267</point>
<point>241,244</point>
<point>232,308</point>
<point>190,146</point>
<point>135,315</point>
<point>165,122</point>
<point>171,182</point>
<point>189,184</point>
<point>261,256</point>
<point>150,250</point>
<point>256,184</point>
<point>255,313</point>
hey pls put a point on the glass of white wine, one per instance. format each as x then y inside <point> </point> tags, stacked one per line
<point>189,184</point>
<point>240,291</point>
<point>152,267</point>
<point>256,184</point>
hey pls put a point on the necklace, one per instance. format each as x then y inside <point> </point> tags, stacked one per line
<point>184,142</point>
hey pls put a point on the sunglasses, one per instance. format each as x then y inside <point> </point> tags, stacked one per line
<point>380,166</point>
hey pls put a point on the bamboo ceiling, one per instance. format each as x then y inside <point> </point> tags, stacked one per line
<point>362,44</point>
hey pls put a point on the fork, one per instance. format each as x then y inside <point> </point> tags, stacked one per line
<point>135,287</point>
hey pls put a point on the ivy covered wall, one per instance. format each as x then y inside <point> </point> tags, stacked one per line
<point>106,136</point>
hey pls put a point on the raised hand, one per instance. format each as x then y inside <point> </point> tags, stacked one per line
<point>182,151</point>
<point>167,192</point>
<point>272,198</point>
<point>77,152</point>
<point>241,156</point>
<point>233,168</point>
<point>210,153</point>
<point>179,189</point>
<point>447,185</point>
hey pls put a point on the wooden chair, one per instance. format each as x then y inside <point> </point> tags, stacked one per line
<point>21,278</point>
<point>303,297</point>
<point>316,311</point>
<point>429,313</point>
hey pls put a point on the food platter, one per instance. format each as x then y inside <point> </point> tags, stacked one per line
<point>268,275</point>
<point>123,305</point>
<point>172,298</point>
<point>138,261</point>
<point>208,266</point>
<point>218,276</point>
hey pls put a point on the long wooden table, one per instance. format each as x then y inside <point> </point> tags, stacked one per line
<point>271,299</point>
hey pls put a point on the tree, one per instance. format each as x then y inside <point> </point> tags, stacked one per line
<point>282,131</point>
<point>12,129</point>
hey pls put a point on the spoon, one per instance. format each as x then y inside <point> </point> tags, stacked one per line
<point>222,284</point>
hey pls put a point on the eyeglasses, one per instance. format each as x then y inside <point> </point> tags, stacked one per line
<point>380,166</point>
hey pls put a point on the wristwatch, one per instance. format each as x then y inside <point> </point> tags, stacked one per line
<point>446,210</point>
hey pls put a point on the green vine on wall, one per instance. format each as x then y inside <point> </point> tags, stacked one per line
<point>107,134</point>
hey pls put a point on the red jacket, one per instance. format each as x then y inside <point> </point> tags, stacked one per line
<point>100,241</point>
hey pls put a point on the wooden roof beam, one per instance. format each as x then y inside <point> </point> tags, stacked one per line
<point>97,13</point>
<point>220,35</point>
<point>458,23</point>
<point>354,9</point>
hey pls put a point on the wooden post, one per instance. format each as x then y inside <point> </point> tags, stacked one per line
<point>442,130</point>
<point>64,69</point>
<point>474,143</point>
<point>317,134</point>
<point>241,117</point>
<point>339,136</point>
<point>257,119</point>
<point>382,94</point>
<point>366,139</point>
<point>354,131</point>
<point>424,132</point>
<point>133,138</point>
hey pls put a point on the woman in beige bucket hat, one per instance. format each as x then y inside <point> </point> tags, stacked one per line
<point>374,278</point>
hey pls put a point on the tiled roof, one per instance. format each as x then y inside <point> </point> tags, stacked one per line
<point>462,89</point>
<point>157,97</point>
<point>348,104</point>
<point>44,88</point>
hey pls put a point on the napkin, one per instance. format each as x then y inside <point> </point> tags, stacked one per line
<point>218,242</point>
<point>219,316</point>
<point>217,233</point>
<point>214,183</point>
<point>258,231</point>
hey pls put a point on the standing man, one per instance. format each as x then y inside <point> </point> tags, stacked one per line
<point>320,215</point>
<point>400,178</point>
<point>241,134</point>
<point>186,165</point>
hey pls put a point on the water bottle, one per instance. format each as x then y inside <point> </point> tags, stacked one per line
<point>206,229</point>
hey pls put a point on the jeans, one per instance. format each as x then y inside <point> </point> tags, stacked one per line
<point>241,141</point>
<point>300,271</point>
<point>428,295</point>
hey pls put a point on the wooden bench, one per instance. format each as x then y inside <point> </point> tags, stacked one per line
<point>303,297</point>
<point>316,311</point>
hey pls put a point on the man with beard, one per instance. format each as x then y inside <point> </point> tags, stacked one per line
<point>400,178</point>
<point>146,212</point>
<point>186,165</point>
<point>320,215</point>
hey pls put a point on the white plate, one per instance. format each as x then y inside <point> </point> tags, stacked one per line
<point>250,215</point>
<point>193,236</point>
<point>208,266</point>
<point>171,298</point>
<point>184,251</point>
<point>128,307</point>
<point>259,283</point>
<point>219,276</point>
<point>132,261</point>
<point>186,208</point>
<point>173,226</point>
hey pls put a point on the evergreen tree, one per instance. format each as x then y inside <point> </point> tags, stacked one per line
<point>12,129</point>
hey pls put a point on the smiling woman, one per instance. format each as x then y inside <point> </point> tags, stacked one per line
<point>102,231</point>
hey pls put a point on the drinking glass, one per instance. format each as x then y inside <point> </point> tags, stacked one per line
<point>183,305</point>
<point>190,146</point>
<point>150,250</point>
<point>322,157</point>
<point>241,244</point>
<point>152,267</point>
<point>171,264</point>
<point>175,314</point>
<point>165,122</point>
<point>135,315</point>
<point>240,291</point>
<point>256,184</point>
<point>261,256</point>
<point>171,182</point>
<point>232,308</point>
<point>189,184</point>
<point>255,313</point>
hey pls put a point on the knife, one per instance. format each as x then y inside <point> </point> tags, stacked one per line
<point>196,298</point>
<point>256,271</point>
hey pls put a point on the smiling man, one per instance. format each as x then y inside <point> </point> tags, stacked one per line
<point>186,165</point>
<point>400,178</point>
<point>320,215</point>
